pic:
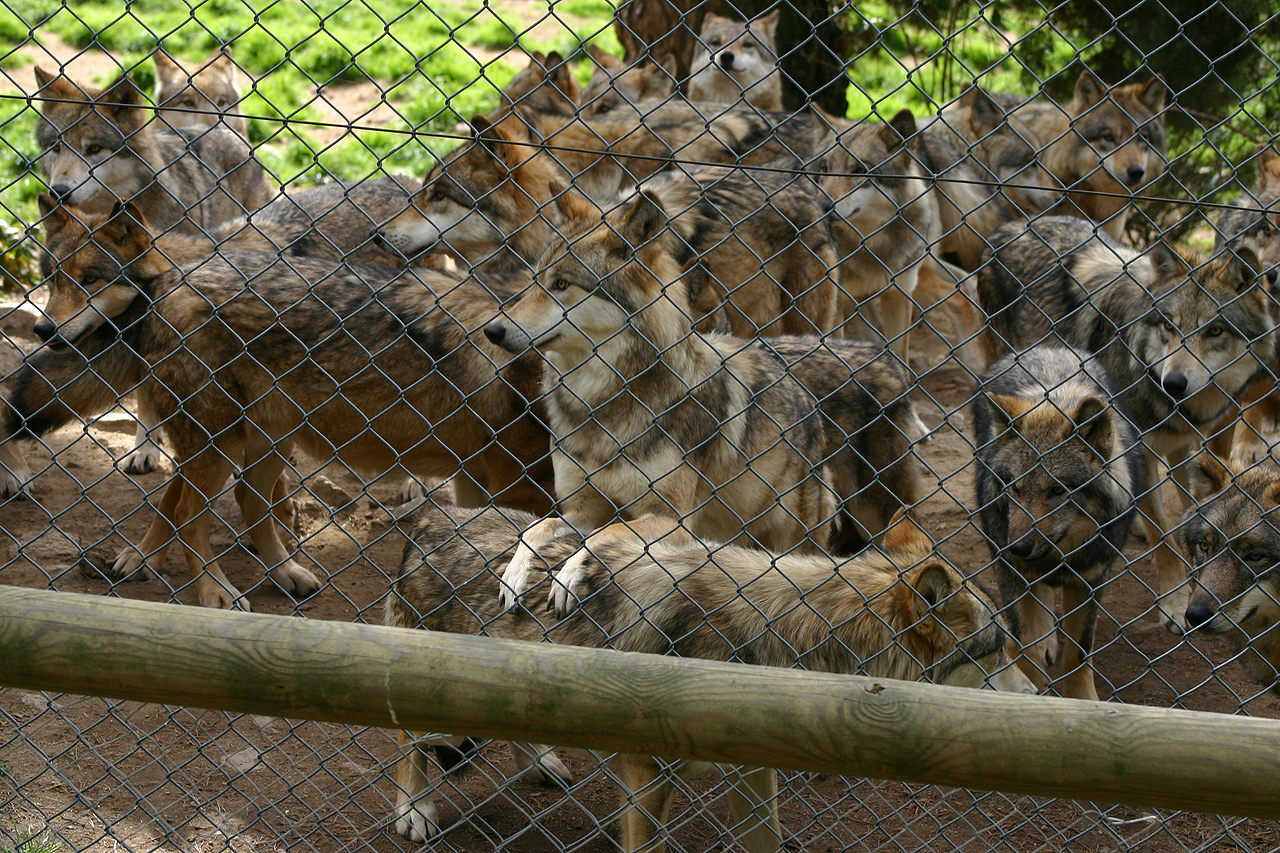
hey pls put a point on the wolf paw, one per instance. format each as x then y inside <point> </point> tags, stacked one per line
<point>516,577</point>
<point>294,580</point>
<point>568,584</point>
<point>417,819</point>
<point>411,490</point>
<point>127,563</point>
<point>143,459</point>
<point>540,764</point>
<point>14,474</point>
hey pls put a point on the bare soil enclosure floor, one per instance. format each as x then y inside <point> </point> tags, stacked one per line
<point>98,775</point>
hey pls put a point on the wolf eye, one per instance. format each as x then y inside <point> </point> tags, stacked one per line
<point>93,149</point>
<point>1056,491</point>
<point>603,108</point>
<point>560,284</point>
<point>1168,327</point>
<point>1107,137</point>
<point>1214,331</point>
<point>438,195</point>
<point>89,280</point>
<point>1201,548</point>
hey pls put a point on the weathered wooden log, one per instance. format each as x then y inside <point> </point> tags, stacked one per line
<point>729,713</point>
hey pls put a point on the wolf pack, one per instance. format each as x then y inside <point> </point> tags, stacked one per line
<point>657,333</point>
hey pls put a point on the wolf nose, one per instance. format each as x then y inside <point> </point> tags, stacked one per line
<point>726,59</point>
<point>61,192</point>
<point>1175,384</point>
<point>1021,549</point>
<point>1272,275</point>
<point>496,332</point>
<point>44,330</point>
<point>1135,173</point>
<point>1198,613</point>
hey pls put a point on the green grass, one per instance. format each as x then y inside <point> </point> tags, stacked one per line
<point>27,841</point>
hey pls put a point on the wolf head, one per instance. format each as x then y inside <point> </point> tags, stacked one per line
<point>1056,468</point>
<point>732,60</point>
<point>91,141</point>
<point>863,170</point>
<point>546,86</point>
<point>199,95</point>
<point>1256,223</point>
<point>616,86</point>
<point>602,276</point>
<point>944,619</point>
<point>1012,159</point>
<point>1231,539</point>
<point>1209,332</point>
<point>1118,134</point>
<point>486,194</point>
<point>92,264</point>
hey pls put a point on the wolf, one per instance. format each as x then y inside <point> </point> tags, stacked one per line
<point>899,611</point>
<point>1183,338</point>
<point>201,95</point>
<point>1107,142</point>
<point>546,86</point>
<point>617,86</point>
<point>735,61</point>
<point>99,146</point>
<point>760,241</point>
<point>395,373</point>
<point>884,218</point>
<point>1230,539</point>
<point>676,432</point>
<point>1254,222</point>
<point>1059,468</point>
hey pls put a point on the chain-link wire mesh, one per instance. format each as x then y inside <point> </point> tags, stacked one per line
<point>288,283</point>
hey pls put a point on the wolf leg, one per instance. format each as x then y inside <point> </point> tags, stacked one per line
<point>1080,619</point>
<point>14,473</point>
<point>647,791</point>
<point>417,818</point>
<point>539,763</point>
<point>204,475</point>
<point>753,796</point>
<point>146,454</point>
<point>150,554</point>
<point>258,486</point>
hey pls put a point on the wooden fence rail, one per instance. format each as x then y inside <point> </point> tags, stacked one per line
<point>348,673</point>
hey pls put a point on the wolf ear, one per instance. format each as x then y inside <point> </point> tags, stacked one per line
<point>1089,89</point>
<point>768,25</point>
<point>1269,167</point>
<point>498,139</point>
<point>54,216</point>
<point>572,204</point>
<point>642,221</point>
<point>934,584</point>
<point>1207,476</point>
<point>127,230</point>
<point>1095,423</point>
<point>905,535</point>
<point>166,68</point>
<point>1271,497</point>
<point>984,113</point>
<point>1241,269</point>
<point>900,129</point>
<point>1166,262</point>
<point>1154,94</point>
<point>125,100</point>
<point>55,87</point>
<point>607,62</point>
<point>1005,410</point>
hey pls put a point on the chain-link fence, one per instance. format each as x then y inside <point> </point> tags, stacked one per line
<point>288,283</point>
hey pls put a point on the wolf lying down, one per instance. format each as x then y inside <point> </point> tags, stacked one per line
<point>898,611</point>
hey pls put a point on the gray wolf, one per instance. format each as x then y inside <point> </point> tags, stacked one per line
<point>204,94</point>
<point>1106,139</point>
<point>884,218</point>
<point>1182,337</point>
<point>899,611</point>
<point>658,431</point>
<point>735,61</point>
<point>395,373</point>
<point>1058,469</point>
<point>617,86</point>
<point>101,146</point>
<point>1254,222</point>
<point>546,86</point>
<point>760,241</point>
<point>1231,541</point>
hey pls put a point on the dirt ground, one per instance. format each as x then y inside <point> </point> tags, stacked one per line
<point>92,774</point>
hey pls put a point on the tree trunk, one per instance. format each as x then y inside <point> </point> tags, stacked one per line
<point>656,28</point>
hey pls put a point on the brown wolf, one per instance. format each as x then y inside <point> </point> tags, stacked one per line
<point>100,146</point>
<point>898,612</point>
<point>617,86</point>
<point>545,86</point>
<point>199,95</point>
<point>396,374</point>
<point>736,61</point>
<point>1182,337</point>
<point>1232,543</point>
<point>1106,139</point>
<point>760,240</point>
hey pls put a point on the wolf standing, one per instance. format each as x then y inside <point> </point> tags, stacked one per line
<point>1058,467</point>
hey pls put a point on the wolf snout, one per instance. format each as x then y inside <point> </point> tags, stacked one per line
<point>1199,612</point>
<point>496,332</point>
<point>1134,174</point>
<point>1022,549</point>
<point>383,242</point>
<point>45,330</point>
<point>1175,384</point>
<point>62,192</point>
<point>726,60</point>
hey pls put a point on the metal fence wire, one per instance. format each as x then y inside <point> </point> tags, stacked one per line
<point>929,341</point>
